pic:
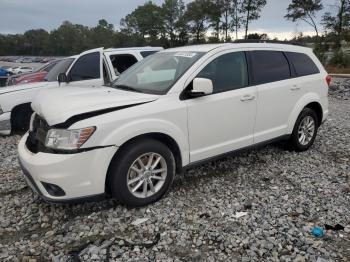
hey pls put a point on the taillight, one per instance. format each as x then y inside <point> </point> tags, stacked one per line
<point>328,80</point>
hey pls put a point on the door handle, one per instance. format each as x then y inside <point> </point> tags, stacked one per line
<point>295,87</point>
<point>247,98</point>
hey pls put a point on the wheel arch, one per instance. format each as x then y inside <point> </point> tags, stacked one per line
<point>311,101</point>
<point>315,106</point>
<point>162,137</point>
<point>24,107</point>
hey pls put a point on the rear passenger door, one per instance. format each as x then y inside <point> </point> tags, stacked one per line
<point>277,93</point>
<point>224,120</point>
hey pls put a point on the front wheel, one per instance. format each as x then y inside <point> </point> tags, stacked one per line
<point>142,172</point>
<point>305,130</point>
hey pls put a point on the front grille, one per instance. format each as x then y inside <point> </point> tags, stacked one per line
<point>36,138</point>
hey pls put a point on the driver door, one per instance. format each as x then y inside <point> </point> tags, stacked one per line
<point>87,69</point>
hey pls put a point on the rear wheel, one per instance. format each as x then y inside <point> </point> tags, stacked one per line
<point>305,130</point>
<point>142,173</point>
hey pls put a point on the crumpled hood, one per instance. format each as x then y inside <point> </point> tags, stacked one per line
<point>56,105</point>
<point>15,88</point>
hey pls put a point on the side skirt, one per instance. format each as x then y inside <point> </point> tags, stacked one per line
<point>243,149</point>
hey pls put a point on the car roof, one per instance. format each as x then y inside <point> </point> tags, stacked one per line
<point>210,47</point>
<point>144,48</point>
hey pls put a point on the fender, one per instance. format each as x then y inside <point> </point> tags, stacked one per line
<point>306,99</point>
<point>130,130</point>
<point>10,100</point>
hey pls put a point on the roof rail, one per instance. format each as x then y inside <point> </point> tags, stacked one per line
<point>239,41</point>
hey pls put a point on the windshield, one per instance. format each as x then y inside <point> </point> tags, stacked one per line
<point>157,73</point>
<point>61,67</point>
<point>47,67</point>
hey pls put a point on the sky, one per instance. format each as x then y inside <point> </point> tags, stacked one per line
<point>17,16</point>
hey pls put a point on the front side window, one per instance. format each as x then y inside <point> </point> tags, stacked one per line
<point>157,73</point>
<point>302,63</point>
<point>61,67</point>
<point>87,67</point>
<point>122,62</point>
<point>227,72</point>
<point>269,66</point>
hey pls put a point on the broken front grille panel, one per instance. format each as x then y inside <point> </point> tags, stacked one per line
<point>36,138</point>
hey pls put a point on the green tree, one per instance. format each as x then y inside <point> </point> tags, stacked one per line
<point>102,34</point>
<point>69,39</point>
<point>146,20</point>
<point>304,10</point>
<point>338,25</point>
<point>198,16</point>
<point>35,42</point>
<point>237,18</point>
<point>251,10</point>
<point>230,18</point>
<point>215,11</point>
<point>173,12</point>
<point>258,36</point>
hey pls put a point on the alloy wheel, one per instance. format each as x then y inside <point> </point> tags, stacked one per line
<point>306,130</point>
<point>147,174</point>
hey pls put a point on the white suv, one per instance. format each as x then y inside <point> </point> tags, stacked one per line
<point>172,110</point>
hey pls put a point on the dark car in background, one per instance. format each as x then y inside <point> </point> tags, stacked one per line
<point>36,76</point>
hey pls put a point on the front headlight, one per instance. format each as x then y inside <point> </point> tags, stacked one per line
<point>68,139</point>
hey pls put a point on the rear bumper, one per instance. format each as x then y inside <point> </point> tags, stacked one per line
<point>5,123</point>
<point>81,176</point>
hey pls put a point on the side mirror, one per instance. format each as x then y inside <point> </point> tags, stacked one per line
<point>201,87</point>
<point>62,78</point>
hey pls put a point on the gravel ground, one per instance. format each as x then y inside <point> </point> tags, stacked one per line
<point>256,206</point>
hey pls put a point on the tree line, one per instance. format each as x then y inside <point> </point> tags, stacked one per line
<point>173,23</point>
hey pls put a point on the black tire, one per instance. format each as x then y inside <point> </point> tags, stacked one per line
<point>294,140</point>
<point>118,172</point>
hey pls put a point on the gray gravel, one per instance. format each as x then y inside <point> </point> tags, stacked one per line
<point>256,206</point>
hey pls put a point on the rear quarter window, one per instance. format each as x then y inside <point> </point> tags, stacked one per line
<point>302,63</point>
<point>268,66</point>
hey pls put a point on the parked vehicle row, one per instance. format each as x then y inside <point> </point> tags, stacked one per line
<point>91,68</point>
<point>32,77</point>
<point>4,72</point>
<point>17,59</point>
<point>17,69</point>
<point>180,107</point>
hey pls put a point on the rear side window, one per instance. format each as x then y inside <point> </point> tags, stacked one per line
<point>268,66</point>
<point>122,62</point>
<point>303,64</point>
<point>87,67</point>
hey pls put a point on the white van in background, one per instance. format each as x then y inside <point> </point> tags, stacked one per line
<point>92,68</point>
